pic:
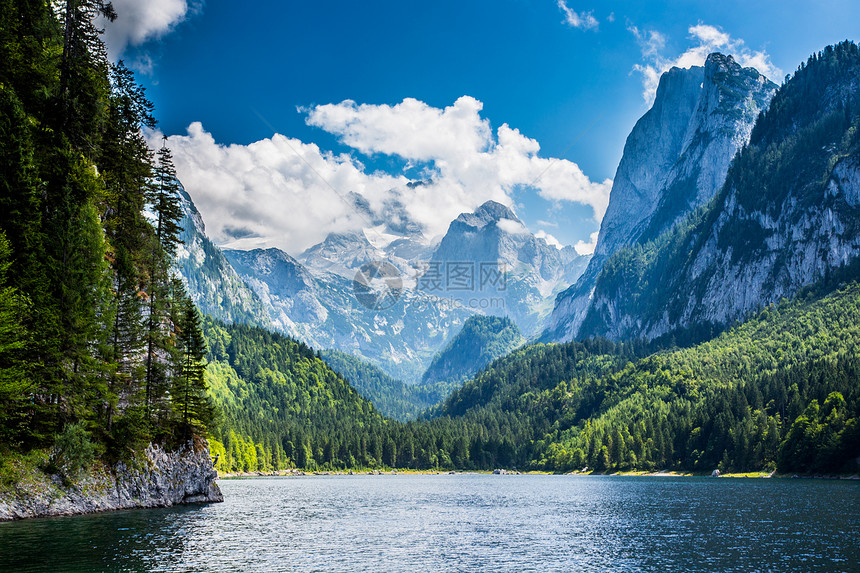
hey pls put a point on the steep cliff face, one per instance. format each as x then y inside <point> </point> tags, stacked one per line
<point>493,233</point>
<point>674,161</point>
<point>159,479</point>
<point>211,282</point>
<point>788,216</point>
<point>286,288</point>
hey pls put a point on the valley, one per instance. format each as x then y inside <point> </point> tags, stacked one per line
<point>408,286</point>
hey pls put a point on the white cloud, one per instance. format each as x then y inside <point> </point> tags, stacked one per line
<point>284,193</point>
<point>411,129</point>
<point>277,192</point>
<point>707,39</point>
<point>463,156</point>
<point>584,248</point>
<point>550,240</point>
<point>512,227</point>
<point>582,20</point>
<point>141,20</point>
<point>651,42</point>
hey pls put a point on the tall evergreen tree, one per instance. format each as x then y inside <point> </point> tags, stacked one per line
<point>126,164</point>
<point>76,178</point>
<point>15,382</point>
<point>164,201</point>
<point>191,401</point>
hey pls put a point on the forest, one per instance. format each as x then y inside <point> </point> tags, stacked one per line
<point>101,350</point>
<point>778,393</point>
<point>393,398</point>
<point>481,340</point>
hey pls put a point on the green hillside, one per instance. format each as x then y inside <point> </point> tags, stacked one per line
<point>481,340</point>
<point>100,347</point>
<point>731,403</point>
<point>283,406</point>
<point>392,398</point>
<point>780,391</point>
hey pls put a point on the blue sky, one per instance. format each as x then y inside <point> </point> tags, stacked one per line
<point>568,77</point>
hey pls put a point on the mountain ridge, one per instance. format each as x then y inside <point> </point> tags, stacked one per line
<point>785,218</point>
<point>675,159</point>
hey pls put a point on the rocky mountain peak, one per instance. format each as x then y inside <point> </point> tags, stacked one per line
<point>341,253</point>
<point>489,212</point>
<point>674,161</point>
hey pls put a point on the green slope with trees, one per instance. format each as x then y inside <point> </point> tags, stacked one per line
<point>99,344</point>
<point>481,340</point>
<point>779,392</point>
<point>391,397</point>
<point>285,407</point>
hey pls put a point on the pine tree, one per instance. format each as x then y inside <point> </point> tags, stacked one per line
<point>164,201</point>
<point>190,399</point>
<point>15,383</point>
<point>81,89</point>
<point>126,164</point>
<point>166,204</point>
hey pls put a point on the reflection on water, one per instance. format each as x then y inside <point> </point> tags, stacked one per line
<point>464,523</point>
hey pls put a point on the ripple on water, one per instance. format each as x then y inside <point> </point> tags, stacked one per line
<point>464,523</point>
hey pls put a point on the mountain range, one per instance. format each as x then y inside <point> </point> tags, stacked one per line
<point>715,328</point>
<point>750,231</point>
<point>488,263</point>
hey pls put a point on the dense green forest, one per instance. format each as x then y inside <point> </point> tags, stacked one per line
<point>481,340</point>
<point>285,407</point>
<point>391,397</point>
<point>779,392</point>
<point>101,350</point>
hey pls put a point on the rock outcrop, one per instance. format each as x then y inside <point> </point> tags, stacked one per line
<point>675,160</point>
<point>159,478</point>
<point>211,282</point>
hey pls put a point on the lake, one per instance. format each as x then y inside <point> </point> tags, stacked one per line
<point>464,523</point>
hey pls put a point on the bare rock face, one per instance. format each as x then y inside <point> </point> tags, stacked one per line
<point>158,479</point>
<point>211,282</point>
<point>535,270</point>
<point>675,160</point>
<point>787,217</point>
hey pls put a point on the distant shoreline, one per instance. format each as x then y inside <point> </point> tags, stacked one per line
<point>302,473</point>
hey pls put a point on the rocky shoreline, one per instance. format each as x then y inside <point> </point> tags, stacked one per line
<point>159,478</point>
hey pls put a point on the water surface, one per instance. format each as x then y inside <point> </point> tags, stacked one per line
<point>464,523</point>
